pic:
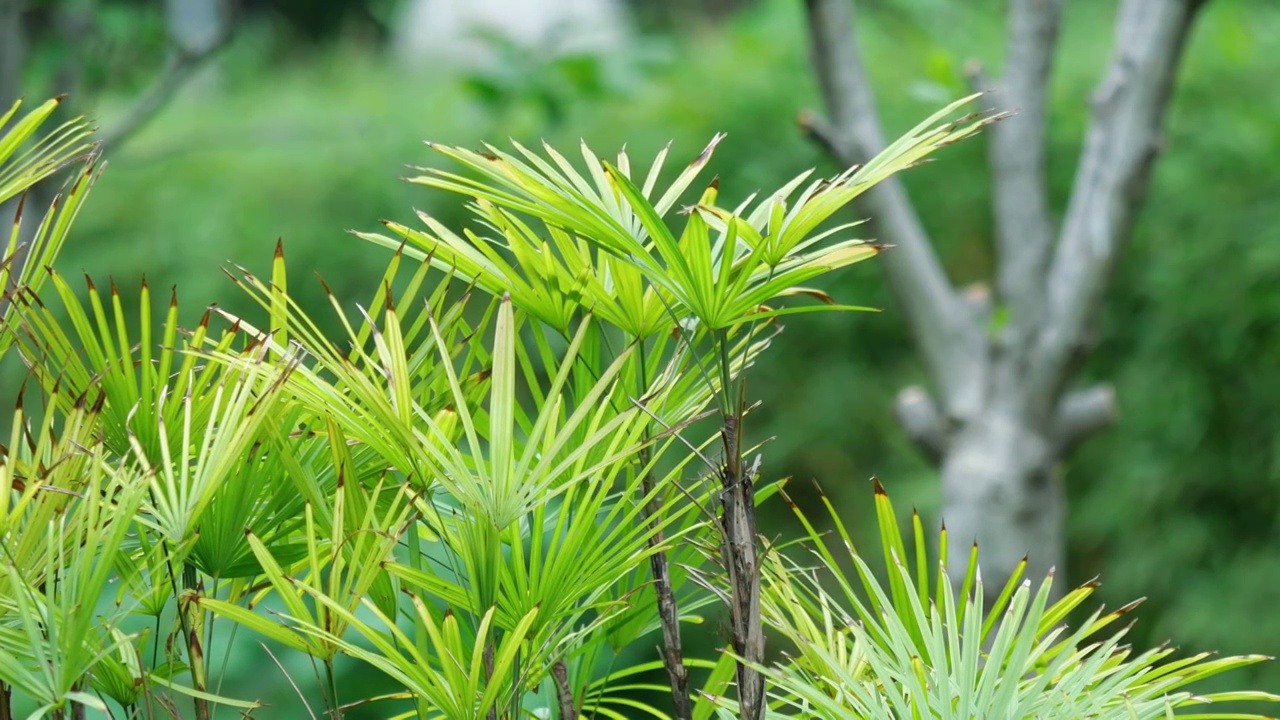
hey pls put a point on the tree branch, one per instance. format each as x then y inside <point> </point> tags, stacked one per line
<point>1016,153</point>
<point>919,416</point>
<point>1127,112</point>
<point>939,322</point>
<point>184,62</point>
<point>1081,415</point>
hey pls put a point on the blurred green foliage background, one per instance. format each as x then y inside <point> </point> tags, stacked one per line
<point>1180,502</point>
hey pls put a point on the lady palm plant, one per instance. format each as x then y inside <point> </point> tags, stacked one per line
<point>914,646</point>
<point>491,484</point>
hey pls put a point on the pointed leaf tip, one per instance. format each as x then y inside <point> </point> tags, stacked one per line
<point>705,155</point>
<point>877,487</point>
<point>279,248</point>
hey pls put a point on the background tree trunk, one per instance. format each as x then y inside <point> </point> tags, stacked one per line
<point>1001,417</point>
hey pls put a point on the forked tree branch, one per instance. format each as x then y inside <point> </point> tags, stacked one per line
<point>1120,145</point>
<point>939,321</point>
<point>1023,228</point>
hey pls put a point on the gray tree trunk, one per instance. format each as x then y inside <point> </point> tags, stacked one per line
<point>1002,415</point>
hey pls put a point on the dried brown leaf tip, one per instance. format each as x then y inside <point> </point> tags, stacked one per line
<point>1128,607</point>
<point>279,248</point>
<point>816,294</point>
<point>877,487</point>
<point>324,285</point>
<point>22,201</point>
<point>705,155</point>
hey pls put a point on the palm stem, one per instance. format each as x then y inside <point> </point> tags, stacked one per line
<point>740,552</point>
<point>331,679</point>
<point>419,627</point>
<point>659,566</point>
<point>195,653</point>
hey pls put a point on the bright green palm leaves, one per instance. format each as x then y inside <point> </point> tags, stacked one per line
<point>24,163</point>
<point>912,647</point>
<point>472,485</point>
<point>607,244</point>
<point>27,158</point>
<point>519,460</point>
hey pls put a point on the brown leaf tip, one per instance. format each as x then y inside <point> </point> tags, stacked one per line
<point>878,488</point>
<point>279,248</point>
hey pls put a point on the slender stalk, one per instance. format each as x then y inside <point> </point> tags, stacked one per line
<point>740,552</point>
<point>331,680</point>
<point>488,677</point>
<point>6,702</point>
<point>564,694</point>
<point>419,628</point>
<point>660,569</point>
<point>193,620</point>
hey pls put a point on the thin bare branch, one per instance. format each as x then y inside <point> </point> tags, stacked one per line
<point>1024,232</point>
<point>939,322</point>
<point>1124,135</point>
<point>183,63</point>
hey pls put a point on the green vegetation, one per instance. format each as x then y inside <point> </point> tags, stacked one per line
<point>1178,503</point>
<point>495,480</point>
